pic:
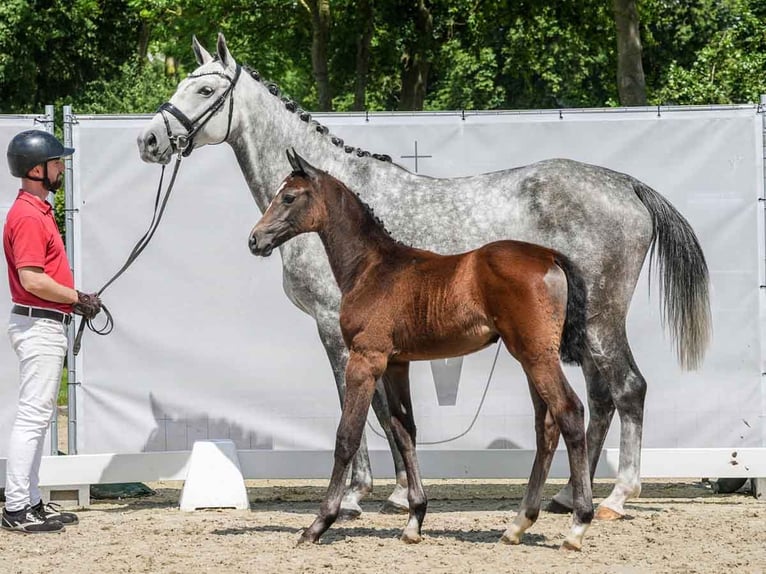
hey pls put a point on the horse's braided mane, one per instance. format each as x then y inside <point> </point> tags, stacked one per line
<point>293,107</point>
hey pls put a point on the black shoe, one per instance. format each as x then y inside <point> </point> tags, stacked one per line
<point>51,511</point>
<point>27,521</point>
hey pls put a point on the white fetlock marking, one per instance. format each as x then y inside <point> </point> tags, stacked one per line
<point>516,530</point>
<point>620,494</point>
<point>410,533</point>
<point>399,497</point>
<point>576,534</point>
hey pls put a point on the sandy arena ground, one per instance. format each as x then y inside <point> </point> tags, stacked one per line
<point>674,527</point>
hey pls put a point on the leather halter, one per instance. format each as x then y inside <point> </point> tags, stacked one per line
<point>185,143</point>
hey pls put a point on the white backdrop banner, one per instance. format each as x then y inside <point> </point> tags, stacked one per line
<point>207,345</point>
<point>10,125</point>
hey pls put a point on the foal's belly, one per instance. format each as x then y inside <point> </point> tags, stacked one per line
<point>430,346</point>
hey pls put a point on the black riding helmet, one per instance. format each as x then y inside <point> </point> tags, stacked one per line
<point>33,147</point>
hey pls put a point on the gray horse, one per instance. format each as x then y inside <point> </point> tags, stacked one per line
<point>605,221</point>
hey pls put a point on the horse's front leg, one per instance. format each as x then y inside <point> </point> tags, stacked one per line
<point>362,371</point>
<point>361,472</point>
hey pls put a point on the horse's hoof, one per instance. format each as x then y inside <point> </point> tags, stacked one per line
<point>571,545</point>
<point>604,513</point>
<point>347,514</point>
<point>410,538</point>
<point>556,507</point>
<point>512,540</point>
<point>393,508</point>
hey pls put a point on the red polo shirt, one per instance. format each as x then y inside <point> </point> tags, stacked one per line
<point>31,238</point>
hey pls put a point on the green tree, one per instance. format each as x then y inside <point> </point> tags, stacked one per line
<point>51,48</point>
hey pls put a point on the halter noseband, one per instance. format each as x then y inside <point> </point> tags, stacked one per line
<point>185,143</point>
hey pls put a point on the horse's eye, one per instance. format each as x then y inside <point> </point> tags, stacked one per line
<point>205,91</point>
<point>288,199</point>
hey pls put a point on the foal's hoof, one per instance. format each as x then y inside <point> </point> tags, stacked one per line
<point>556,507</point>
<point>393,508</point>
<point>604,513</point>
<point>303,538</point>
<point>571,545</point>
<point>411,537</point>
<point>347,514</point>
<point>510,539</point>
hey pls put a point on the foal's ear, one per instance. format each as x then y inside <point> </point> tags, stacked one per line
<point>293,162</point>
<point>223,52</point>
<point>305,166</point>
<point>202,55</point>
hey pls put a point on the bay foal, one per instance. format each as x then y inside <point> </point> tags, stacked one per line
<point>401,304</point>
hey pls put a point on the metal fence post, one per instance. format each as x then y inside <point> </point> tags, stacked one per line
<point>70,230</point>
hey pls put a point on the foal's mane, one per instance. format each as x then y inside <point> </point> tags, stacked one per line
<point>365,206</point>
<point>292,106</point>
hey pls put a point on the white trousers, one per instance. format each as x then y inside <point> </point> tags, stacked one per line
<point>41,346</point>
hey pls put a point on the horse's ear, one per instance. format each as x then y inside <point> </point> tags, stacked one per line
<point>223,52</point>
<point>202,55</point>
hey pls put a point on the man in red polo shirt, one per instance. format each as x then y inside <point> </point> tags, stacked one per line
<point>42,289</point>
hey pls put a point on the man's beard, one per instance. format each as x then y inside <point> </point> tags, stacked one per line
<point>56,185</point>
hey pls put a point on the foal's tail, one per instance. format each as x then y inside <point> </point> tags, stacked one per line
<point>573,337</point>
<point>684,278</point>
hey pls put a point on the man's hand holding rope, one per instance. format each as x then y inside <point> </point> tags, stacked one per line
<point>88,305</point>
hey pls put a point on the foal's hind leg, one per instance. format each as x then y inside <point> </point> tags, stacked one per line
<point>397,383</point>
<point>567,410</point>
<point>361,472</point>
<point>361,373</point>
<point>547,433</point>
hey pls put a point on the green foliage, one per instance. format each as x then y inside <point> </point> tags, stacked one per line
<point>470,83</point>
<point>136,89</point>
<point>128,55</point>
<point>720,54</point>
<point>52,48</point>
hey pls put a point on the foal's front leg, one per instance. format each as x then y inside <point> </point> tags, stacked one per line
<point>361,372</point>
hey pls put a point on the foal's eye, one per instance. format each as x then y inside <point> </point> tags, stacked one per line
<point>205,90</point>
<point>288,199</point>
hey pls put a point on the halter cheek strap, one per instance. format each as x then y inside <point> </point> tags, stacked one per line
<point>185,143</point>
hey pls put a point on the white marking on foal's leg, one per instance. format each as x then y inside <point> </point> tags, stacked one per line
<point>517,528</point>
<point>574,540</point>
<point>411,534</point>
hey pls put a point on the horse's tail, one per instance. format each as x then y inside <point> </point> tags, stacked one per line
<point>684,278</point>
<point>573,338</point>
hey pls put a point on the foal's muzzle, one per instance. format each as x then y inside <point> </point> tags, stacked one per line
<point>262,247</point>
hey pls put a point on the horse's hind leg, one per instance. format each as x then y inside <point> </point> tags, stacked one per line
<point>628,390</point>
<point>614,382</point>
<point>397,384</point>
<point>361,473</point>
<point>547,433</point>
<point>361,374</point>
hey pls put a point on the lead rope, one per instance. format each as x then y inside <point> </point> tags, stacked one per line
<point>475,416</point>
<point>159,209</point>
